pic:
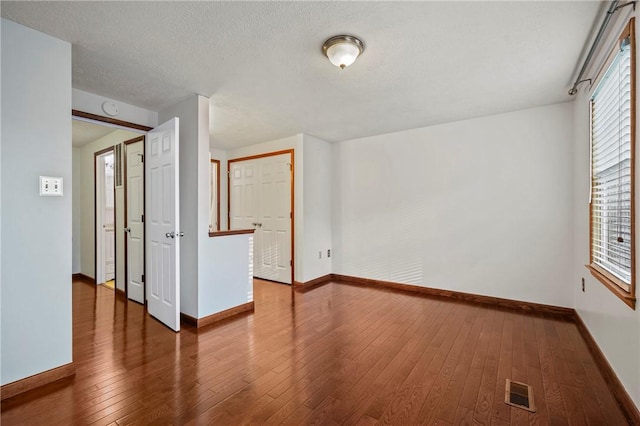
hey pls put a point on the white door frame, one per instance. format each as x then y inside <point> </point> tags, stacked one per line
<point>291,153</point>
<point>98,196</point>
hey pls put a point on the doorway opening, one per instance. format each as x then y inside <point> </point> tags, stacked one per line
<point>99,200</point>
<point>120,158</point>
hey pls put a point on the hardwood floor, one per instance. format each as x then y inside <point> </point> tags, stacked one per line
<point>340,354</point>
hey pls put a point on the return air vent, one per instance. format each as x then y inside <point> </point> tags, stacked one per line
<point>519,395</point>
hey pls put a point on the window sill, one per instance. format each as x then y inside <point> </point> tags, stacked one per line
<point>623,295</point>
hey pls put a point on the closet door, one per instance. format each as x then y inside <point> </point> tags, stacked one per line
<point>243,201</point>
<point>260,198</point>
<point>274,218</point>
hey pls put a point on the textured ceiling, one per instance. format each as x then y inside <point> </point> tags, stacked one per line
<point>261,64</point>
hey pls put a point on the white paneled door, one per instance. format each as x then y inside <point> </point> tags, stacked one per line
<point>243,184</point>
<point>260,198</point>
<point>134,226</point>
<point>162,237</point>
<point>105,218</point>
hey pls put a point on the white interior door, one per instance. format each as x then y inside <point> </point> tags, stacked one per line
<point>134,226</point>
<point>104,220</point>
<point>243,201</point>
<point>274,218</point>
<point>260,198</point>
<point>108,225</point>
<point>162,239</point>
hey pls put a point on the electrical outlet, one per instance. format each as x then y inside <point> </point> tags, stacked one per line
<point>320,254</point>
<point>329,253</point>
<point>583,285</point>
<point>50,186</point>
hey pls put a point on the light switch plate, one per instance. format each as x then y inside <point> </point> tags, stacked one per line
<point>50,186</point>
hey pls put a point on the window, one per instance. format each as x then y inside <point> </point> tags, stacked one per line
<point>612,259</point>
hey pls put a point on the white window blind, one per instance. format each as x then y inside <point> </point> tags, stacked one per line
<point>611,186</point>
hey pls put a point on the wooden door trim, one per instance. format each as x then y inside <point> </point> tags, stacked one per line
<point>268,154</point>
<point>217,162</point>
<point>95,212</point>
<point>103,119</point>
<point>134,140</point>
<point>291,153</point>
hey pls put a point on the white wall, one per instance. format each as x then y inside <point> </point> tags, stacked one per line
<point>84,210</point>
<point>295,143</point>
<point>88,102</point>
<point>614,326</point>
<point>213,271</point>
<point>480,206</point>
<point>188,114</point>
<point>228,268</point>
<point>317,208</point>
<point>36,231</point>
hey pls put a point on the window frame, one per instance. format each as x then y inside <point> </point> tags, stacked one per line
<point>613,283</point>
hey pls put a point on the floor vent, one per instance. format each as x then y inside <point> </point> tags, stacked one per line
<point>519,395</point>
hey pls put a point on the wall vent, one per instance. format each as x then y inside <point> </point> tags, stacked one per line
<point>519,395</point>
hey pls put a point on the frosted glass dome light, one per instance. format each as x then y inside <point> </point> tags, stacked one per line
<point>342,50</point>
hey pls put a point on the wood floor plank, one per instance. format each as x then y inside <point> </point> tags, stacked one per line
<point>501,411</point>
<point>336,354</point>
<point>453,394</point>
<point>551,387</point>
<point>486,392</point>
<point>379,386</point>
<point>389,382</point>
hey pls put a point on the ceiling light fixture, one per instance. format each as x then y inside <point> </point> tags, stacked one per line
<point>342,50</point>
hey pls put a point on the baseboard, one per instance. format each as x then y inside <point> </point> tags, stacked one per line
<point>188,319</point>
<point>610,377</point>
<point>84,278</point>
<point>219,316</point>
<point>28,383</point>
<point>302,286</point>
<point>467,297</point>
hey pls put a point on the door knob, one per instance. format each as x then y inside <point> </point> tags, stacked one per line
<point>170,235</point>
<point>127,229</point>
<point>180,234</point>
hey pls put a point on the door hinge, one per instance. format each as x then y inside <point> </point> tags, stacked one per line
<point>142,278</point>
<point>141,218</point>
<point>142,158</point>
